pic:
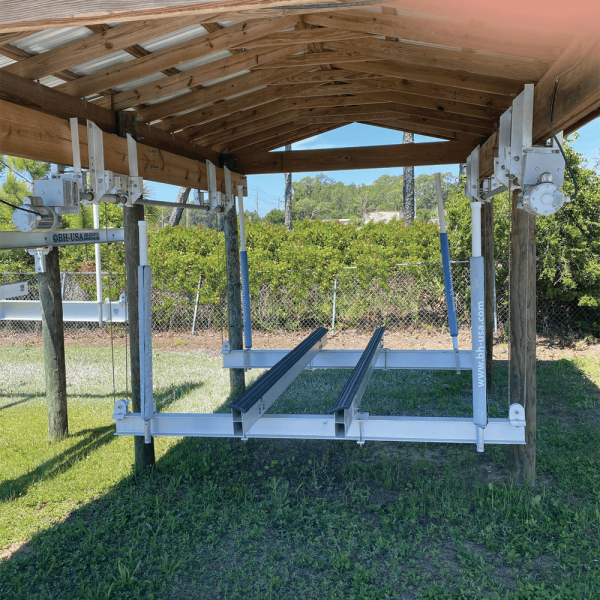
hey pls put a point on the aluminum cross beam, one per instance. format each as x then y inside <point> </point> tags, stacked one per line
<point>348,359</point>
<point>377,428</point>
<point>10,240</point>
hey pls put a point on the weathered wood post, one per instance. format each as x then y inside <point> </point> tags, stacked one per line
<point>237,382</point>
<point>144,453</point>
<point>409,209</point>
<point>54,347</point>
<point>288,198</point>
<point>487,226</point>
<point>522,364</point>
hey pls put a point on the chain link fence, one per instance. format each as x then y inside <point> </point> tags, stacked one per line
<point>411,297</point>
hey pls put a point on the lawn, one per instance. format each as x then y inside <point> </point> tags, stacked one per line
<point>289,519</point>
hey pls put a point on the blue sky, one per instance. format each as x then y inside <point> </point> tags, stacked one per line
<point>269,188</point>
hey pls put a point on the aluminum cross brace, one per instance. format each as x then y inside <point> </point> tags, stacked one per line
<point>377,428</point>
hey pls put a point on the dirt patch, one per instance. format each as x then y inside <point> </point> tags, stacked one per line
<point>15,547</point>
<point>211,341</point>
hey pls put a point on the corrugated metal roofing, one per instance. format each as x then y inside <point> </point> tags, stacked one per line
<point>42,41</point>
<point>99,64</point>
<point>176,37</point>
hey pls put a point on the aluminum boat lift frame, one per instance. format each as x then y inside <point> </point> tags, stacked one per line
<point>248,418</point>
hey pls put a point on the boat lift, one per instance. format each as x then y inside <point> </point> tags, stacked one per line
<point>537,172</point>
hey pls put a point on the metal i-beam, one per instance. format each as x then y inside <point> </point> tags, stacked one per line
<point>10,240</point>
<point>248,408</point>
<point>352,392</point>
<point>321,427</point>
<point>348,359</point>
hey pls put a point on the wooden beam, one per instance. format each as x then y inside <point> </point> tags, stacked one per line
<point>93,47</point>
<point>31,134</point>
<point>507,67</point>
<point>431,90</point>
<point>223,109</point>
<point>245,128</point>
<point>445,77</point>
<point>389,98</point>
<point>486,36</point>
<point>289,138</point>
<point>30,14</point>
<point>577,96</point>
<point>50,101</point>
<point>406,128</point>
<point>241,142</point>
<point>220,91</point>
<point>172,56</point>
<point>327,76</point>
<point>230,65</point>
<point>367,157</point>
<point>302,36</point>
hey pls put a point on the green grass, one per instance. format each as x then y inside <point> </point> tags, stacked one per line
<point>293,519</point>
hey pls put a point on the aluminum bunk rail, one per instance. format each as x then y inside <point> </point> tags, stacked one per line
<point>352,392</point>
<point>255,401</point>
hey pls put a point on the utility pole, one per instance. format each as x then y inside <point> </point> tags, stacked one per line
<point>409,208</point>
<point>144,453</point>
<point>288,197</point>
<point>257,202</point>
<point>53,333</point>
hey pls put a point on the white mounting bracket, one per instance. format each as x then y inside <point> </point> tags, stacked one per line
<point>516,415</point>
<point>472,185</point>
<point>214,196</point>
<point>229,197</point>
<point>106,186</point>
<point>538,171</point>
<point>121,409</point>
<point>39,254</point>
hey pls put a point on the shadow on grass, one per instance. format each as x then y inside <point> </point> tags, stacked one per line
<point>26,398</point>
<point>211,504</point>
<point>165,397</point>
<point>91,439</point>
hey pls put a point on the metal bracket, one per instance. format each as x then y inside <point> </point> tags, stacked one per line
<point>121,410</point>
<point>13,290</point>
<point>472,185</point>
<point>538,171</point>
<point>516,415</point>
<point>39,255</point>
<point>229,197</point>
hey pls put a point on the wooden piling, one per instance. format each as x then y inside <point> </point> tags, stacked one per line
<point>234,297</point>
<point>54,347</point>
<point>522,329</point>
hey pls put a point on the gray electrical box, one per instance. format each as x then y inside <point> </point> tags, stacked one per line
<point>61,193</point>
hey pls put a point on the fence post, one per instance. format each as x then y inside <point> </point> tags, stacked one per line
<point>197,299</point>
<point>334,299</point>
<point>53,336</point>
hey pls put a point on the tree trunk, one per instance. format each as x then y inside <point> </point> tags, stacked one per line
<point>522,362</point>
<point>408,209</point>
<point>54,347</point>
<point>144,453</point>
<point>237,382</point>
<point>288,198</point>
<point>182,198</point>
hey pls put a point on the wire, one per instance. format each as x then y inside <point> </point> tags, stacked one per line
<point>21,208</point>
<point>558,143</point>
<point>16,172</point>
